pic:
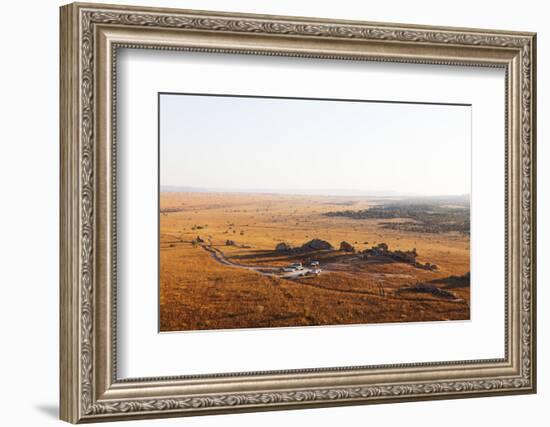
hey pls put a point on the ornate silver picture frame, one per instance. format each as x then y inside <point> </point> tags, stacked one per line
<point>91,35</point>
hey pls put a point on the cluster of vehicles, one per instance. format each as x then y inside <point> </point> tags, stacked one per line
<point>299,270</point>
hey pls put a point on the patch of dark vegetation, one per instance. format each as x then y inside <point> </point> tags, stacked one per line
<point>425,288</point>
<point>454,282</point>
<point>345,203</point>
<point>438,287</point>
<point>198,241</point>
<point>463,227</point>
<point>422,217</point>
<point>166,211</point>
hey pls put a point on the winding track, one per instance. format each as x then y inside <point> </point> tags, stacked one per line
<point>266,271</point>
<point>220,257</point>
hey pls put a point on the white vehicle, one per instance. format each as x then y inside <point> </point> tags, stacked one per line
<point>288,269</point>
<point>315,271</point>
<point>314,263</point>
<point>296,266</point>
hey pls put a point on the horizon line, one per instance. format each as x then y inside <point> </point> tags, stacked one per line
<point>312,192</point>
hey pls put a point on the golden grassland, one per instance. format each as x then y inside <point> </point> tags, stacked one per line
<point>198,292</point>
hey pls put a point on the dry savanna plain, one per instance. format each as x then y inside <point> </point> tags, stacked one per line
<point>244,260</point>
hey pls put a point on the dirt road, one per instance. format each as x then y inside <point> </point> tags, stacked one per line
<point>219,256</point>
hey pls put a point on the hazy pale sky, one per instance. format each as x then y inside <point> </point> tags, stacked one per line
<point>236,143</point>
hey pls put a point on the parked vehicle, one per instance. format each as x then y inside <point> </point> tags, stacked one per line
<point>314,263</point>
<point>296,266</point>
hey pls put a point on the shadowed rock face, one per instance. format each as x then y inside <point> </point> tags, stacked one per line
<point>283,247</point>
<point>317,245</point>
<point>382,247</point>
<point>312,245</point>
<point>346,247</point>
<point>409,257</point>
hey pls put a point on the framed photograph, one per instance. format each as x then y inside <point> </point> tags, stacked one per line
<point>266,212</point>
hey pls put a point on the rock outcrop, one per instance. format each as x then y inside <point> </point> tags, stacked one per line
<point>283,247</point>
<point>382,247</point>
<point>409,257</point>
<point>346,247</point>
<point>317,245</point>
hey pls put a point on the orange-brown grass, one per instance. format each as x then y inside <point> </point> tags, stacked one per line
<point>197,292</point>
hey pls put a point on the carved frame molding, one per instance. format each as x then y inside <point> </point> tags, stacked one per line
<point>85,396</point>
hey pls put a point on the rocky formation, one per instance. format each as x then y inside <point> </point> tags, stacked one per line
<point>409,257</point>
<point>229,243</point>
<point>346,247</point>
<point>317,245</point>
<point>382,247</point>
<point>405,256</point>
<point>426,266</point>
<point>312,245</point>
<point>283,247</point>
<point>379,250</point>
